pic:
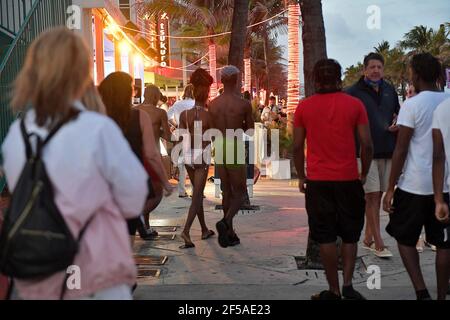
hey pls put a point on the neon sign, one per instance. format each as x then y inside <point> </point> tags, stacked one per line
<point>164,40</point>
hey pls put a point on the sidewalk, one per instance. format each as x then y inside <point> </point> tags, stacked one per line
<point>263,267</point>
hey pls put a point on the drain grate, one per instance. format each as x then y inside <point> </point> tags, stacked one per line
<point>161,237</point>
<point>360,266</point>
<point>243,208</point>
<point>148,273</point>
<point>165,228</point>
<point>150,260</point>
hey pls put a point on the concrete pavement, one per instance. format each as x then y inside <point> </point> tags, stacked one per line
<point>264,266</point>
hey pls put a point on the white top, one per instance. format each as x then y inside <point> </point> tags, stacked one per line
<point>417,113</point>
<point>266,115</point>
<point>441,121</point>
<point>178,108</point>
<point>88,161</point>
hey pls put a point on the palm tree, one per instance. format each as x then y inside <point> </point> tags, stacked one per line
<point>418,39</point>
<point>314,41</point>
<point>353,74</point>
<point>260,10</point>
<point>383,48</point>
<point>204,16</point>
<point>237,44</point>
<point>294,55</point>
<point>275,68</point>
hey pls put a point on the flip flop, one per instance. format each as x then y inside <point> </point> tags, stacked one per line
<point>209,235</point>
<point>368,246</point>
<point>187,246</point>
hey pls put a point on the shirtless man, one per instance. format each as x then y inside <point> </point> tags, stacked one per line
<point>161,129</point>
<point>230,111</point>
<point>159,118</point>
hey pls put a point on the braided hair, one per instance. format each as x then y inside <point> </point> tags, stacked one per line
<point>327,76</point>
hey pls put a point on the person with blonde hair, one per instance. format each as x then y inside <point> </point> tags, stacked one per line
<point>96,180</point>
<point>92,99</point>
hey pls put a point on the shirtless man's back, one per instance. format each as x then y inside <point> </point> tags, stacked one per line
<point>160,122</point>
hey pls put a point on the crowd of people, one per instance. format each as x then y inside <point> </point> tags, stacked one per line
<point>103,158</point>
<point>402,152</point>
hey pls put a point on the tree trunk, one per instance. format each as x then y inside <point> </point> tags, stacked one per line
<point>213,69</point>
<point>247,75</point>
<point>293,89</point>
<point>314,41</point>
<point>247,68</point>
<point>238,37</point>
<point>314,44</point>
<point>266,60</point>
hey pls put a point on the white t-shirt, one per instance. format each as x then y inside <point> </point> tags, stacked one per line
<point>417,113</point>
<point>178,108</point>
<point>441,121</point>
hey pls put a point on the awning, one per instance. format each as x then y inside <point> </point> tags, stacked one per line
<point>160,81</point>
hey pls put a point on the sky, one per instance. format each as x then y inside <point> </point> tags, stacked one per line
<point>347,33</point>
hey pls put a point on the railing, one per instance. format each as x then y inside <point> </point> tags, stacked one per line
<point>43,15</point>
<point>13,14</point>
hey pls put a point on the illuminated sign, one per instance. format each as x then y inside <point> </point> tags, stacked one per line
<point>164,40</point>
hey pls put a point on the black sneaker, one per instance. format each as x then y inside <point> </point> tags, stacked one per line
<point>234,241</point>
<point>326,295</point>
<point>349,293</point>
<point>423,295</point>
<point>222,230</point>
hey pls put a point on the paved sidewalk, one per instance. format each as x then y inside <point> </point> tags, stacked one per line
<point>263,267</point>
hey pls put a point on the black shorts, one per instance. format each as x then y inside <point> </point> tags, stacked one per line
<point>335,209</point>
<point>412,212</point>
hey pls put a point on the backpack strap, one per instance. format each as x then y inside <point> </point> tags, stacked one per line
<point>25,136</point>
<point>73,113</point>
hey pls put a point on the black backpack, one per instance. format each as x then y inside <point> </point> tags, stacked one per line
<point>35,241</point>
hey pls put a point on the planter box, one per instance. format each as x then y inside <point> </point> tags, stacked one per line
<point>279,169</point>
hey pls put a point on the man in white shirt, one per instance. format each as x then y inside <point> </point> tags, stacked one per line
<point>270,113</point>
<point>441,161</point>
<point>411,205</point>
<point>174,113</point>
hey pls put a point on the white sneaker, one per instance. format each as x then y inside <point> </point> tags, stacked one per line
<point>419,246</point>
<point>433,247</point>
<point>385,253</point>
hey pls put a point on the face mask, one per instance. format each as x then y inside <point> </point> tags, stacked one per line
<point>373,83</point>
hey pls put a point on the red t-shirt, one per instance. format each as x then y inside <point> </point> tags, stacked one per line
<point>331,122</point>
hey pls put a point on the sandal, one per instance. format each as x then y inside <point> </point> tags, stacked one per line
<point>326,295</point>
<point>188,244</point>
<point>208,235</point>
<point>368,246</point>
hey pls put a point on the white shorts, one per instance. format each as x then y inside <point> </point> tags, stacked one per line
<point>378,176</point>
